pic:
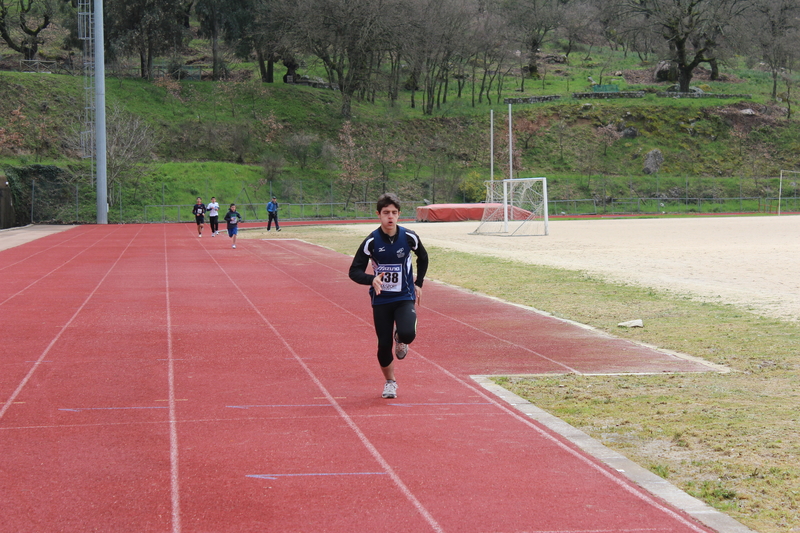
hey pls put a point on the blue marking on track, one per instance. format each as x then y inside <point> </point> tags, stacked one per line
<point>280,405</point>
<point>416,404</point>
<point>80,409</point>
<point>276,476</point>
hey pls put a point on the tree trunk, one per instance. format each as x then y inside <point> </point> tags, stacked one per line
<point>774,84</point>
<point>29,50</point>
<point>143,65</point>
<point>262,66</point>
<point>685,77</point>
<point>714,69</point>
<point>215,73</point>
<point>347,108</point>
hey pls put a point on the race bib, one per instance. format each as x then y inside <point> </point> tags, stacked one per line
<point>392,277</point>
<point>234,220</point>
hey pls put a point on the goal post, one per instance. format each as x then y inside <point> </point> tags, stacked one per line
<point>515,207</point>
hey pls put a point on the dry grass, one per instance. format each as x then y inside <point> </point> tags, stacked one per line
<point>732,440</point>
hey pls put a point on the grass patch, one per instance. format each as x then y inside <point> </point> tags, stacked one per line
<point>731,440</point>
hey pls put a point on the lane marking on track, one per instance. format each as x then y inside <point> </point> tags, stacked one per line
<point>436,404</point>
<point>81,409</point>
<point>55,339</point>
<point>278,405</point>
<point>474,328</point>
<point>585,458</point>
<point>64,264</point>
<point>60,243</point>
<point>173,422</point>
<point>276,476</point>
<point>578,454</point>
<point>339,409</point>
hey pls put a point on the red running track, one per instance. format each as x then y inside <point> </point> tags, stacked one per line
<point>152,381</point>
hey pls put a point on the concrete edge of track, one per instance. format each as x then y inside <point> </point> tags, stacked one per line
<point>18,235</point>
<point>649,481</point>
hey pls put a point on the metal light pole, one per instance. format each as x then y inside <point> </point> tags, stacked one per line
<point>100,124</point>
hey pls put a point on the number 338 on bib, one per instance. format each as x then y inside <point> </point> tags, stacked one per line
<point>392,277</point>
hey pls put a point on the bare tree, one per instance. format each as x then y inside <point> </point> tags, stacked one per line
<point>130,144</point>
<point>344,35</point>
<point>382,149</point>
<point>146,28</point>
<point>775,30</point>
<point>352,173</point>
<point>23,21</point>
<point>493,52</point>
<point>694,30</point>
<point>434,40</point>
<point>534,21</point>
<point>304,148</point>
<point>579,24</point>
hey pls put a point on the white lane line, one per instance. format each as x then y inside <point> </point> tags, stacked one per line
<point>461,322</point>
<point>339,409</point>
<point>585,458</point>
<point>60,243</point>
<point>55,339</point>
<point>173,423</point>
<point>31,284</point>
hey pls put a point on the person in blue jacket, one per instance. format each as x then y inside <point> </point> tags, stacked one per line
<point>393,290</point>
<point>272,214</point>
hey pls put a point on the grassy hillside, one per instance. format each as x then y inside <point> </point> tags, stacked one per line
<point>278,138</point>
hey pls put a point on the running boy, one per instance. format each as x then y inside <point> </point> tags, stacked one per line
<point>199,210</point>
<point>232,217</point>
<point>213,216</point>
<point>393,290</point>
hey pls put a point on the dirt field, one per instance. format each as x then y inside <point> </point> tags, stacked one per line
<point>751,262</point>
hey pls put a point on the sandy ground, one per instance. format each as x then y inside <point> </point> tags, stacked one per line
<point>751,262</point>
<point>15,236</point>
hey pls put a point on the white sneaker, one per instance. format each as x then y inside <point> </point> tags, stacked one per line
<point>390,389</point>
<point>400,349</point>
<point>234,246</point>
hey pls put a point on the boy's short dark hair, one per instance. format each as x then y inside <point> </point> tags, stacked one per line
<point>233,205</point>
<point>388,199</point>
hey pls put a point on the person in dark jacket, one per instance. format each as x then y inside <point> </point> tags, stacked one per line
<point>393,290</point>
<point>272,214</point>
<point>232,217</point>
<point>199,212</point>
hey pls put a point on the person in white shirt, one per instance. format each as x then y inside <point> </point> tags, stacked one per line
<point>213,216</point>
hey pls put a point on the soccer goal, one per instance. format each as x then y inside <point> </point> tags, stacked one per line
<point>515,207</point>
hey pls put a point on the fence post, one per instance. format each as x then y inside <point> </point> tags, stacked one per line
<point>33,196</point>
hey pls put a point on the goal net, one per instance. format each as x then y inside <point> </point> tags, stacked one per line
<point>515,207</point>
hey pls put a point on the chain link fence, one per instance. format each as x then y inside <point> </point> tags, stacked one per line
<point>50,195</point>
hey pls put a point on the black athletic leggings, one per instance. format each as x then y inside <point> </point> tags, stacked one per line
<point>214,221</point>
<point>385,316</point>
